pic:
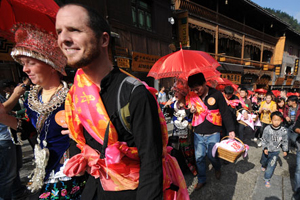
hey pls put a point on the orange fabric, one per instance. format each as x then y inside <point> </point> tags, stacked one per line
<point>202,113</point>
<point>83,96</point>
<point>120,169</point>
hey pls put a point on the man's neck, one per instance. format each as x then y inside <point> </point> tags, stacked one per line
<point>205,93</point>
<point>97,70</point>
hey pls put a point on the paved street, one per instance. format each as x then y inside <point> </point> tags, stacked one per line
<point>240,181</point>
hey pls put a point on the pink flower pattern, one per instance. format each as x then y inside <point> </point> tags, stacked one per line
<point>44,195</point>
<point>64,192</point>
<point>75,189</point>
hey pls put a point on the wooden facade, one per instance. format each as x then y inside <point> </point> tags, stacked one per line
<point>236,32</point>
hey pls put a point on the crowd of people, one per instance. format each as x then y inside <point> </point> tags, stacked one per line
<point>270,121</point>
<point>106,136</point>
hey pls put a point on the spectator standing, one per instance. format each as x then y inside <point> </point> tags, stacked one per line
<point>296,129</point>
<point>10,155</point>
<point>162,97</point>
<point>266,108</point>
<point>280,104</point>
<point>246,107</point>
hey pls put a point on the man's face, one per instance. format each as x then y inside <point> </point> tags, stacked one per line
<point>243,94</point>
<point>276,121</point>
<point>228,96</point>
<point>75,38</point>
<point>282,93</point>
<point>199,90</point>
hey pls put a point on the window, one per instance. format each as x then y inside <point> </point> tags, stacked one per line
<point>141,14</point>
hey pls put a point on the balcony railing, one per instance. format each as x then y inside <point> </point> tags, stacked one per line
<point>222,20</point>
<point>235,60</point>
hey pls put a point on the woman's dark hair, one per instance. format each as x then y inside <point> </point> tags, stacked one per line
<point>269,94</point>
<point>277,113</point>
<point>196,80</point>
<point>228,90</point>
<point>279,99</point>
<point>95,21</point>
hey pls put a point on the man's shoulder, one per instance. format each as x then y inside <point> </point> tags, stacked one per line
<point>214,92</point>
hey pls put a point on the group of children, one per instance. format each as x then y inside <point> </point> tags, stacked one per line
<point>277,119</point>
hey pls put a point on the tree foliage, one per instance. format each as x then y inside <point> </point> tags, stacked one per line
<point>285,17</point>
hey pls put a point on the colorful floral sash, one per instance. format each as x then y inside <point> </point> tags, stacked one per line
<point>233,103</point>
<point>120,169</point>
<point>213,116</point>
<point>242,102</point>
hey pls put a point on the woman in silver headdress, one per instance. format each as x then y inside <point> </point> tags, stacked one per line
<point>44,64</point>
<point>181,121</point>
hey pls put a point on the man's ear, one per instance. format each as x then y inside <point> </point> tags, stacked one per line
<point>105,39</point>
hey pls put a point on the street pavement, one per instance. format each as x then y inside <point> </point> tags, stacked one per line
<point>242,180</point>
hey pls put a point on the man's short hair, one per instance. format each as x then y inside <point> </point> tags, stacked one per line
<point>228,90</point>
<point>244,89</point>
<point>196,80</point>
<point>293,98</point>
<point>277,113</point>
<point>95,21</point>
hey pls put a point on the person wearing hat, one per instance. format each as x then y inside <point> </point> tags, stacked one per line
<point>210,111</point>
<point>44,63</point>
<point>181,121</point>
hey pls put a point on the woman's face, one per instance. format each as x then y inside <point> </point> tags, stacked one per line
<point>268,99</point>
<point>38,71</point>
<point>281,104</point>
<point>178,95</point>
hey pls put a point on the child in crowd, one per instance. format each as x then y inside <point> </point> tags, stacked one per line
<point>266,108</point>
<point>280,104</point>
<point>273,137</point>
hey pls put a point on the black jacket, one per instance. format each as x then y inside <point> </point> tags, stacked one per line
<point>146,136</point>
<point>219,103</point>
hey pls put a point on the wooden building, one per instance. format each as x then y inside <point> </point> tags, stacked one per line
<point>247,40</point>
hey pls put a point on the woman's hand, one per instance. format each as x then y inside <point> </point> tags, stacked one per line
<point>66,132</point>
<point>193,109</point>
<point>20,89</point>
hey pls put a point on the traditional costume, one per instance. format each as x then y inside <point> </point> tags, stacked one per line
<point>51,152</point>
<point>182,127</point>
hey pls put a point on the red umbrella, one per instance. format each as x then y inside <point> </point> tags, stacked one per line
<point>250,92</point>
<point>40,12</point>
<point>261,91</point>
<point>235,86</point>
<point>276,93</point>
<point>289,94</point>
<point>184,63</point>
<point>219,82</point>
